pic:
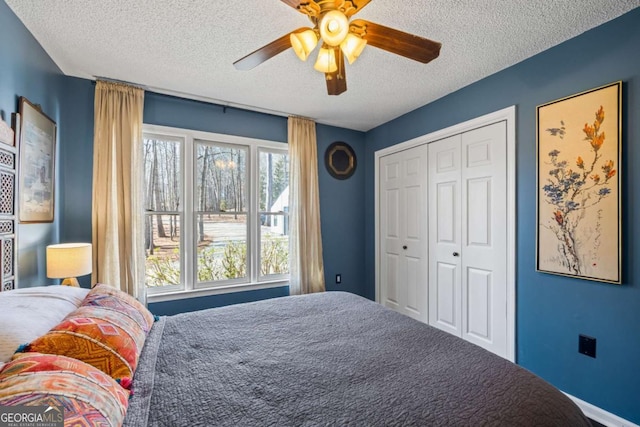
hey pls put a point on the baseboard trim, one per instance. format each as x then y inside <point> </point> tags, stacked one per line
<point>600,415</point>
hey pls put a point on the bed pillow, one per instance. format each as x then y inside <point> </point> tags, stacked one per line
<point>100,337</point>
<point>28,313</point>
<point>88,396</point>
<point>110,298</point>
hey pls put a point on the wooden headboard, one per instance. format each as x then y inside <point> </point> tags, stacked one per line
<point>8,218</point>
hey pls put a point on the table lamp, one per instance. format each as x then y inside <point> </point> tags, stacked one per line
<point>68,261</point>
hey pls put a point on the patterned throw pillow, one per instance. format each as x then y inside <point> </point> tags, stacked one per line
<point>114,299</point>
<point>98,336</point>
<point>88,396</point>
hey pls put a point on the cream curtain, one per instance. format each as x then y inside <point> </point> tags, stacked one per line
<point>305,240</point>
<point>117,183</point>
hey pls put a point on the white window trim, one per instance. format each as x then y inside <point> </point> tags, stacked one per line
<point>188,260</point>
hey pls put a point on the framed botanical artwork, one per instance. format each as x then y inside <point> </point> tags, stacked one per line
<point>36,182</point>
<point>578,185</point>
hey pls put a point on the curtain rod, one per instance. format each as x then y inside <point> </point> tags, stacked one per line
<point>296,116</point>
<point>204,99</point>
<point>106,79</point>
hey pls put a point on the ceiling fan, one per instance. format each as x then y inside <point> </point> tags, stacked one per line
<point>339,38</point>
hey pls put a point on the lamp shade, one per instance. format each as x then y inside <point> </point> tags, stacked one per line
<point>334,27</point>
<point>69,260</point>
<point>352,47</point>
<point>326,62</point>
<point>303,43</point>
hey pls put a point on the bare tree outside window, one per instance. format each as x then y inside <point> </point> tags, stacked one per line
<point>162,207</point>
<point>222,211</point>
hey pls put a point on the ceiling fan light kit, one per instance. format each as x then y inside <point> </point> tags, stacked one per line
<point>326,62</point>
<point>352,47</point>
<point>303,43</point>
<point>334,27</point>
<point>340,39</point>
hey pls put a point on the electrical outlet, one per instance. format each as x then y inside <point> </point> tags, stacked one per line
<point>587,346</point>
<point>338,278</point>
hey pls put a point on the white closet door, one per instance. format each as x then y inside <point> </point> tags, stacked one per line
<point>403,230</point>
<point>446,215</point>
<point>445,299</point>
<point>468,236</point>
<point>484,231</point>
<point>390,223</point>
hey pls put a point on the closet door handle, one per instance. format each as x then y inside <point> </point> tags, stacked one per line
<point>404,247</point>
<point>456,254</point>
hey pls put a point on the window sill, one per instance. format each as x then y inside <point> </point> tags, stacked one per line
<point>195,293</point>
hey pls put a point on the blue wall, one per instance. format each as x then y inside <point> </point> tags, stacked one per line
<point>26,70</point>
<point>553,310</point>
<point>341,202</point>
<point>167,308</point>
<point>76,159</point>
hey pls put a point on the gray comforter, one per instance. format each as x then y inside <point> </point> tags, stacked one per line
<point>329,359</point>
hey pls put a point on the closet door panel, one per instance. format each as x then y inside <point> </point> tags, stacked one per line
<point>445,311</point>
<point>445,235</point>
<point>484,212</point>
<point>390,274</point>
<point>391,223</point>
<point>479,213</point>
<point>403,232</point>
<point>445,195</point>
<point>414,241</point>
<point>479,291</point>
<point>414,288</point>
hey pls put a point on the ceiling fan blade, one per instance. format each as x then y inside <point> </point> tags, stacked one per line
<point>354,7</point>
<point>308,7</point>
<point>259,56</point>
<point>311,8</point>
<point>337,81</point>
<point>396,41</point>
<point>293,3</point>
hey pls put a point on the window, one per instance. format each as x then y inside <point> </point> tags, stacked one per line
<point>163,184</point>
<point>230,196</point>
<point>274,208</point>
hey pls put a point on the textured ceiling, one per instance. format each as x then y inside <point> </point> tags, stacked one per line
<point>187,48</point>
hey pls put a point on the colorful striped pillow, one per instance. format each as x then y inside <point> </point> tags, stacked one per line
<point>88,396</point>
<point>97,336</point>
<point>114,299</point>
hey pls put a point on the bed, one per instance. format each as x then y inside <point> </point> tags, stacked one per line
<point>323,359</point>
<point>329,359</point>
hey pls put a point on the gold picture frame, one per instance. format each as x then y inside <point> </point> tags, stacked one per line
<point>36,171</point>
<point>578,227</point>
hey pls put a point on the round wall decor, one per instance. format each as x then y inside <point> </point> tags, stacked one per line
<point>340,160</point>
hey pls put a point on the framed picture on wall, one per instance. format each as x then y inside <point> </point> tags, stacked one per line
<point>578,185</point>
<point>36,182</point>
